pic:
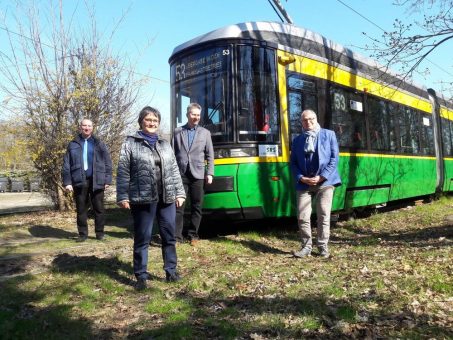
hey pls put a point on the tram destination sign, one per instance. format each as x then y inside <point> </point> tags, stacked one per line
<point>206,62</point>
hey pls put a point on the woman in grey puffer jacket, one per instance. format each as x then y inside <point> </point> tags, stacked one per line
<point>149,183</point>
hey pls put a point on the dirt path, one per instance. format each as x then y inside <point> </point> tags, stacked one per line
<point>13,202</point>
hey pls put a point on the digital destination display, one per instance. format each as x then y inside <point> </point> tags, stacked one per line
<point>209,61</point>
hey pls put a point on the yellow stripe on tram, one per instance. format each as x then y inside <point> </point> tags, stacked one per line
<point>446,113</point>
<point>243,160</point>
<point>322,70</point>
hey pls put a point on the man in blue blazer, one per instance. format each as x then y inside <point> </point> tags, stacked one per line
<point>194,153</point>
<point>314,160</point>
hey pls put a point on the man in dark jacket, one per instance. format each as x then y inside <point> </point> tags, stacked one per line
<point>87,171</point>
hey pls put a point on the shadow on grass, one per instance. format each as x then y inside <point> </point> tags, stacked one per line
<point>65,263</point>
<point>22,318</point>
<point>118,217</point>
<point>281,228</point>
<point>119,234</point>
<point>13,264</point>
<point>47,231</point>
<point>309,317</point>
<point>256,246</point>
<point>423,237</point>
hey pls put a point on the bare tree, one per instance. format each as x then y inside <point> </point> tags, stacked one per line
<point>410,43</point>
<point>57,76</point>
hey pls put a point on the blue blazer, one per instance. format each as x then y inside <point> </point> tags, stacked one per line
<point>327,153</point>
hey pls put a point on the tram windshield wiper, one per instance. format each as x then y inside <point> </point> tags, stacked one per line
<point>213,112</point>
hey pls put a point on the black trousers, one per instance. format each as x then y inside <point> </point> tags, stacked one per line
<point>194,189</point>
<point>83,196</point>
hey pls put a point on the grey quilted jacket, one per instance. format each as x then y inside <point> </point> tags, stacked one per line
<point>135,181</point>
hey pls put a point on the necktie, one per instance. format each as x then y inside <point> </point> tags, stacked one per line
<point>85,155</point>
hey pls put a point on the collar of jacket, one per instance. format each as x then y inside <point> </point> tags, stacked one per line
<point>187,127</point>
<point>79,139</point>
<point>137,136</point>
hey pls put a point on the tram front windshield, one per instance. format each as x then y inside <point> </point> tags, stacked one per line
<point>202,78</point>
<point>208,77</point>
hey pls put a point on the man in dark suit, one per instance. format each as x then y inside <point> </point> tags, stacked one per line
<point>314,161</point>
<point>194,153</point>
<point>87,171</point>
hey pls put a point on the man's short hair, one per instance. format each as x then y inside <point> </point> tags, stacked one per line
<point>86,118</point>
<point>193,106</point>
<point>308,111</point>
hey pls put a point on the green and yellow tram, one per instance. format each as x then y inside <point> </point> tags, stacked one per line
<point>254,79</point>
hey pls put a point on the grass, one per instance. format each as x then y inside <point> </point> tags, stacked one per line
<point>390,276</point>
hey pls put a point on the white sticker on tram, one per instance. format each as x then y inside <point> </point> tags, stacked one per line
<point>357,106</point>
<point>267,150</point>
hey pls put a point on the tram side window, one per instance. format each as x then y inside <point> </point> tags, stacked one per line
<point>348,120</point>
<point>258,118</point>
<point>427,137</point>
<point>409,130</point>
<point>382,133</point>
<point>301,96</point>
<point>447,130</point>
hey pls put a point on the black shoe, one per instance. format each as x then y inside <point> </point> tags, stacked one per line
<point>141,284</point>
<point>155,239</point>
<point>81,239</point>
<point>173,277</point>
<point>99,237</point>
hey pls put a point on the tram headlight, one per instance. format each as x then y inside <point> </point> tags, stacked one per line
<point>235,152</point>
<point>221,153</point>
<point>243,152</point>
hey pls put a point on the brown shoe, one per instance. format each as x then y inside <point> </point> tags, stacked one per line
<point>193,242</point>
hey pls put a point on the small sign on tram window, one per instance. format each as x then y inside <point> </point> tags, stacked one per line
<point>357,106</point>
<point>267,150</point>
<point>426,121</point>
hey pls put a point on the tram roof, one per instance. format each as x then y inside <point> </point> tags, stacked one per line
<point>273,32</point>
<point>293,38</point>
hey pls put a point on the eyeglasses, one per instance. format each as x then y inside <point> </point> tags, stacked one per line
<point>309,119</point>
<point>150,120</point>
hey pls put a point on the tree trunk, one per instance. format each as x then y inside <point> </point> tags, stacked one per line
<point>62,201</point>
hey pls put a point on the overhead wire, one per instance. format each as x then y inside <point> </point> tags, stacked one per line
<point>275,10</point>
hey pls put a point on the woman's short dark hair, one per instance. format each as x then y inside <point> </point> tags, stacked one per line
<point>146,111</point>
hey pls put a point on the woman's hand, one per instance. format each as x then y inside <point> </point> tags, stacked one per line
<point>179,202</point>
<point>124,204</point>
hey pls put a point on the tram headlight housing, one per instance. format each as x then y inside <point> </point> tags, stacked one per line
<point>235,152</point>
<point>243,152</point>
<point>221,153</point>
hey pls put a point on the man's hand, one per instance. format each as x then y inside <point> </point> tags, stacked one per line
<point>69,188</point>
<point>312,180</point>
<point>208,179</point>
<point>124,204</point>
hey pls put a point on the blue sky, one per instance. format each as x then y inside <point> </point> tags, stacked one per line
<point>168,23</point>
